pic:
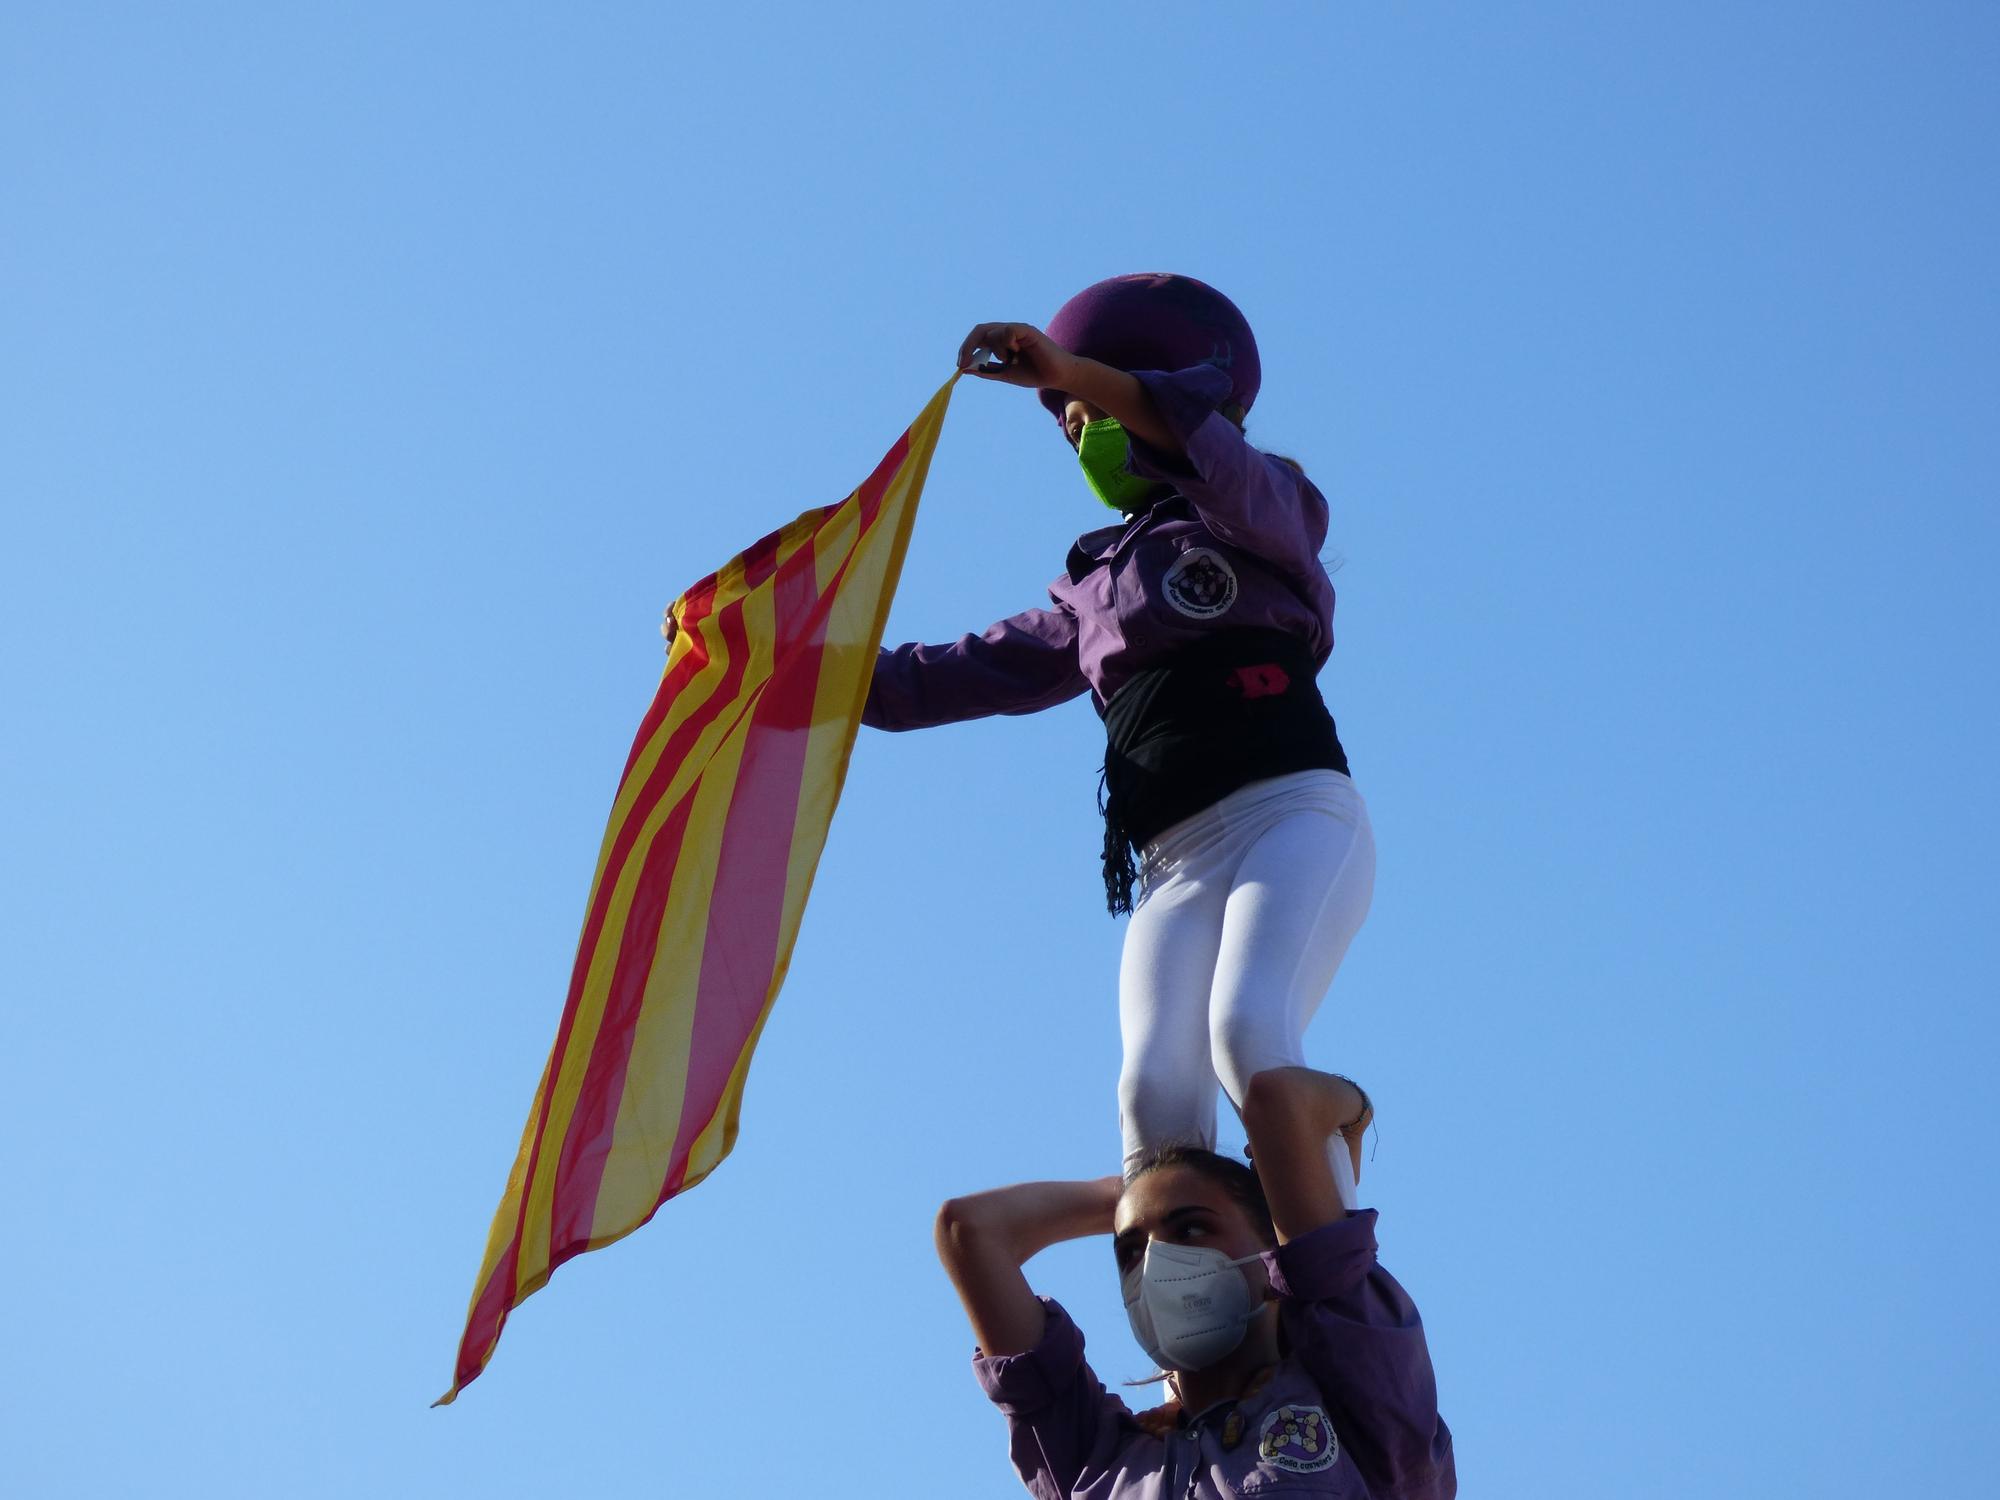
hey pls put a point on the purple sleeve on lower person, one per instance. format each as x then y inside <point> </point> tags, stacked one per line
<point>1061,1422</point>
<point>1021,665</point>
<point>1248,498</point>
<point>1356,1331</point>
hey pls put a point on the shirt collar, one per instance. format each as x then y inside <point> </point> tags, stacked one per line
<point>1096,548</point>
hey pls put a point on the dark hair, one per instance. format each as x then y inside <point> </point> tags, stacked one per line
<point>1234,1177</point>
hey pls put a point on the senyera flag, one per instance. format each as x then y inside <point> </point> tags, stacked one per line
<point>702,879</point>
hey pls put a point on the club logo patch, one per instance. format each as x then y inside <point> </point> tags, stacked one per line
<point>1298,1439</point>
<point>1200,584</point>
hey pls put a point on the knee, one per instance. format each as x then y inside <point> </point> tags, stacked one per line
<point>1155,1093</point>
<point>1155,1107</point>
<point>1278,1101</point>
<point>1245,1046</point>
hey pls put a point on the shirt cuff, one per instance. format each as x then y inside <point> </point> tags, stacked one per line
<point>1031,1380</point>
<point>1186,400</point>
<point>1333,1259</point>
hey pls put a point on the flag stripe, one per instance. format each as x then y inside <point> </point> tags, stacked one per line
<point>524,1251</point>
<point>592,1134</point>
<point>590,979</point>
<point>659,1042</point>
<point>717,1131</point>
<point>727,1033</point>
<point>837,706</point>
<point>687,658</point>
<point>666,739</point>
<point>591,1126</point>
<point>717,827</point>
<point>745,924</point>
<point>794,592</point>
<point>483,1324</point>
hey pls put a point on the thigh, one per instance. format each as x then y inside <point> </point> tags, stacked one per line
<point>1166,1087</point>
<point>1300,894</point>
<point>1167,971</point>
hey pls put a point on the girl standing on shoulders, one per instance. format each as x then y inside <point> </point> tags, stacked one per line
<point>1197,621</point>
<point>1290,1351</point>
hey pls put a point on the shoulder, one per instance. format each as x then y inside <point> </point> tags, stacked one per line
<point>1090,551</point>
<point>1326,1262</point>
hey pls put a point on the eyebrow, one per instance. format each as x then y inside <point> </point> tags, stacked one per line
<point>1172,1220</point>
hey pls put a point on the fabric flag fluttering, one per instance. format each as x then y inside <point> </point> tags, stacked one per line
<point>701,881</point>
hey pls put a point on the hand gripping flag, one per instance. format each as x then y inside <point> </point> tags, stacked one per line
<point>702,879</point>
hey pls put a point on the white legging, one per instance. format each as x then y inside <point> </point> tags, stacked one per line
<point>1246,911</point>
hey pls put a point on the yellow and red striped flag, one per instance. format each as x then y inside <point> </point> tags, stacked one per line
<point>701,881</point>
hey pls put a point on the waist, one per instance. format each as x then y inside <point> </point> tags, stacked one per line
<point>1239,677</point>
<point>1240,707</point>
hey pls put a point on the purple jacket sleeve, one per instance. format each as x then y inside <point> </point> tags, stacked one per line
<point>1025,663</point>
<point>1061,1422</point>
<point>1249,499</point>
<point>1357,1333</point>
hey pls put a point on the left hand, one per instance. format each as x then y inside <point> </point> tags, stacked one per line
<point>1021,354</point>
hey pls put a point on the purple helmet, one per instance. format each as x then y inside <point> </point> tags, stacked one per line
<point>1157,321</point>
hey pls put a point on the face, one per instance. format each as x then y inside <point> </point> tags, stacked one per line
<point>1182,1207</point>
<point>1075,415</point>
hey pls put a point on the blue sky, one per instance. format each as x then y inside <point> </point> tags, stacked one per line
<point>372,378</point>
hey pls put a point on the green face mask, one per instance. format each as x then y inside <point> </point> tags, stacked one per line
<point>1101,449</point>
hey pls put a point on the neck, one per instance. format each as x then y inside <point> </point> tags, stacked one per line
<point>1228,1379</point>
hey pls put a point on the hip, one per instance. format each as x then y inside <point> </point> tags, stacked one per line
<point>1237,820</point>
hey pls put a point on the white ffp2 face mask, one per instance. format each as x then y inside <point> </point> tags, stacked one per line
<point>1189,1306</point>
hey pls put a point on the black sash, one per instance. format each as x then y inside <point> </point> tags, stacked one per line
<point>1233,708</point>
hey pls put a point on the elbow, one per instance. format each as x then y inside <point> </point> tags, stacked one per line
<point>977,1228</point>
<point>1434,1473</point>
<point>956,1231</point>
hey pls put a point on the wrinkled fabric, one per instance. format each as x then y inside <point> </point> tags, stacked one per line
<point>1248,910</point>
<point>1234,545</point>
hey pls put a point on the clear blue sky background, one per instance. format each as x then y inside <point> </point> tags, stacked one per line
<point>370,378</point>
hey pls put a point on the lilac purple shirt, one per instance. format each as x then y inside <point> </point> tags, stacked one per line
<point>1235,546</point>
<point>1351,1411</point>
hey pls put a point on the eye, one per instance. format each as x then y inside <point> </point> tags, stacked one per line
<point>1193,1229</point>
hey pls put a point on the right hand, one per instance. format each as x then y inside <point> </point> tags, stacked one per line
<point>1021,354</point>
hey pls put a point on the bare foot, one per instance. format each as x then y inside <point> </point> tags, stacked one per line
<point>1346,1101</point>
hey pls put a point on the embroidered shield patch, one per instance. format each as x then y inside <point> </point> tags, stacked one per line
<point>1200,584</point>
<point>1298,1438</point>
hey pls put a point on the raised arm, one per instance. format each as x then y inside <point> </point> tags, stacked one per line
<point>1292,1116</point>
<point>1245,496</point>
<point>986,1238</point>
<point>1021,354</point>
<point>1179,434</point>
<point>1348,1321</point>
